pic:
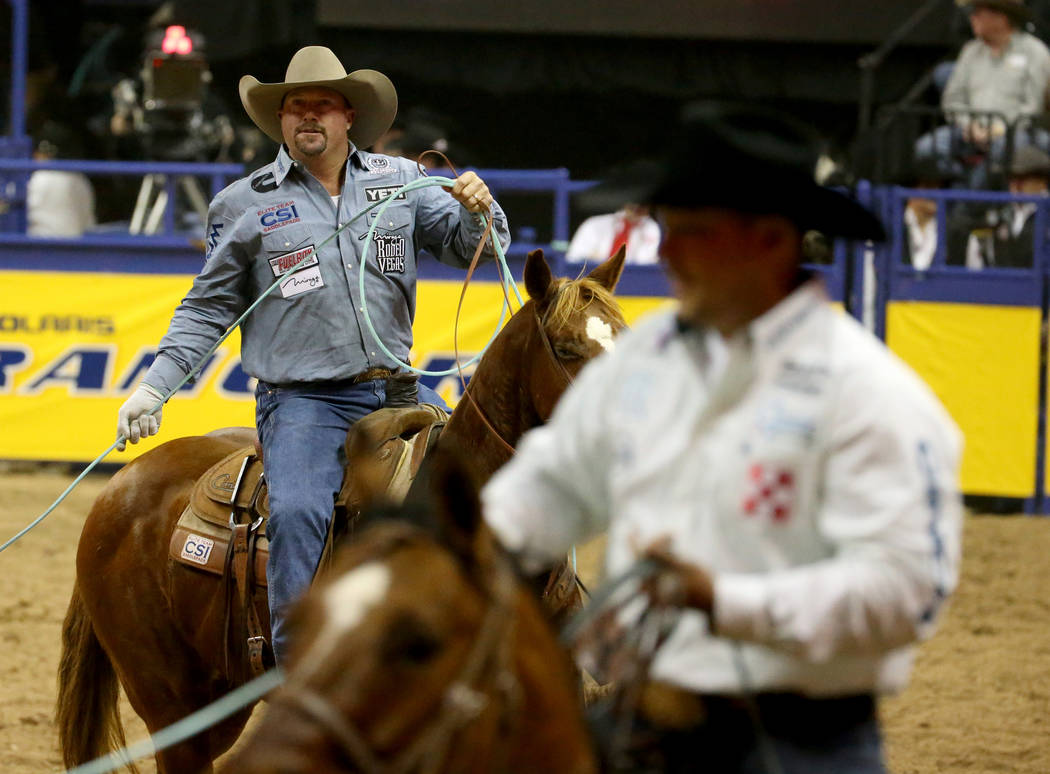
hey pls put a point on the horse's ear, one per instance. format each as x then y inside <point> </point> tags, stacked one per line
<point>538,277</point>
<point>607,274</point>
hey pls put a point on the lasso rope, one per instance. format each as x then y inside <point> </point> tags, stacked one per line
<point>505,279</point>
<point>195,370</point>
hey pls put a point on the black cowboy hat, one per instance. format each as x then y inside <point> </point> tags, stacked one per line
<point>1015,9</point>
<point>1029,161</point>
<point>927,171</point>
<point>744,158</point>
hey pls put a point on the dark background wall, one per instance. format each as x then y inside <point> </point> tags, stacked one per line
<point>576,83</point>
<point>803,21</point>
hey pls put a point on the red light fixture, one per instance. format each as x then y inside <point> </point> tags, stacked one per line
<point>176,41</point>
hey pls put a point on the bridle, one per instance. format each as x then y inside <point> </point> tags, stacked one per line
<point>486,673</point>
<point>549,349</point>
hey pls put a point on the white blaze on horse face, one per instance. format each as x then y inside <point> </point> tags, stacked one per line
<point>346,603</point>
<point>600,331</point>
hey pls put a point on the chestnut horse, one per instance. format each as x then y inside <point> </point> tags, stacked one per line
<point>159,627</point>
<point>422,651</point>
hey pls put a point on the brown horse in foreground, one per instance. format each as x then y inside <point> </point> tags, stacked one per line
<point>159,627</point>
<point>421,651</point>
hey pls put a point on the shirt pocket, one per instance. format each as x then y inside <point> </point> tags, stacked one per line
<point>765,485</point>
<point>396,217</point>
<point>392,247</point>
<point>288,247</point>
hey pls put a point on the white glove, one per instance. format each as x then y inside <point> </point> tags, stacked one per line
<point>134,420</point>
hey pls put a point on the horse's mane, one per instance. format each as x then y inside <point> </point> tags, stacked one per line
<point>576,295</point>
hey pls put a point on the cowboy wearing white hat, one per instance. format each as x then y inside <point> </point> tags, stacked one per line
<point>318,368</point>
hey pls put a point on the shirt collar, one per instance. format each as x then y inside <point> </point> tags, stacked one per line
<point>771,329</point>
<point>284,163</point>
<point>355,159</point>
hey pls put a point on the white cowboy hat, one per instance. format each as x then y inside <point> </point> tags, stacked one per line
<point>371,94</point>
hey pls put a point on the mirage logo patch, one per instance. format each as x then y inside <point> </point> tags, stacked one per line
<point>390,253</point>
<point>197,549</point>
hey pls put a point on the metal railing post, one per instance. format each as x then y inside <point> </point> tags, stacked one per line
<point>19,65</point>
<point>870,62</point>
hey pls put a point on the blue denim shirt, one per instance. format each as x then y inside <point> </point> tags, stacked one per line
<point>312,328</point>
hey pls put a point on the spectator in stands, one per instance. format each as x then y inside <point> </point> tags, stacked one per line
<point>1014,240</point>
<point>1001,76</point>
<point>919,245</point>
<point>417,138</point>
<point>600,236</point>
<point>59,204</point>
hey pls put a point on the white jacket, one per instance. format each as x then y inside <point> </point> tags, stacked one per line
<point>593,240</point>
<point>804,465</point>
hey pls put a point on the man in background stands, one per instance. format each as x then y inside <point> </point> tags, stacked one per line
<point>1013,242</point>
<point>600,236</point>
<point>59,204</point>
<point>1001,76</point>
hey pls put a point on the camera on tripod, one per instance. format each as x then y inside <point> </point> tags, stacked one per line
<point>165,108</point>
<point>165,111</point>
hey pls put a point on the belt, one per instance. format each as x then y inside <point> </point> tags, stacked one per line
<point>368,375</point>
<point>372,374</point>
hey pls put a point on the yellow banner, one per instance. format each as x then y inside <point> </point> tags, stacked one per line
<point>74,345</point>
<point>983,363</point>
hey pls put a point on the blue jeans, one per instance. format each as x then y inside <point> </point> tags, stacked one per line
<point>857,750</point>
<point>302,430</point>
<point>801,736</point>
<point>946,146</point>
<point>427,395</point>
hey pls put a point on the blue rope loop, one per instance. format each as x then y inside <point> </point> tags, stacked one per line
<point>506,280</point>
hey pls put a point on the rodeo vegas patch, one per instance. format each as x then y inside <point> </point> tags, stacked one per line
<point>390,253</point>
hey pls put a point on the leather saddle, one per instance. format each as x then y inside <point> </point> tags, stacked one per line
<point>222,530</point>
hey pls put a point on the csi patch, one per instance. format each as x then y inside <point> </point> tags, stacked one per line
<point>283,263</point>
<point>390,253</point>
<point>377,194</point>
<point>277,216</point>
<point>379,165</point>
<point>197,549</point>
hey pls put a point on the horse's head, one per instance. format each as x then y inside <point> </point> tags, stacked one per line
<point>408,653</point>
<point>577,319</point>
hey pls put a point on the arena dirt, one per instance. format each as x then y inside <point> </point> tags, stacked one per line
<point>979,701</point>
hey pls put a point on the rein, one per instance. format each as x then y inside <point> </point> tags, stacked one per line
<point>549,349</point>
<point>486,671</point>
